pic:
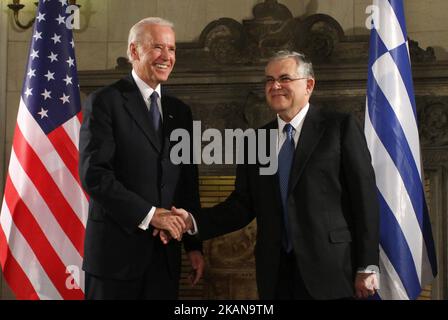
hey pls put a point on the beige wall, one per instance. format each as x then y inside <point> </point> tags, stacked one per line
<point>3,72</point>
<point>105,24</point>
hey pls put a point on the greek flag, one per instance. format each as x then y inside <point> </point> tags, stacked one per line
<point>407,255</point>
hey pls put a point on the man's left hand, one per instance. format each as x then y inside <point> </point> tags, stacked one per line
<point>197,264</point>
<point>365,285</point>
<point>164,236</point>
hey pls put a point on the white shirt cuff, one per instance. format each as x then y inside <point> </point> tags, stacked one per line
<point>368,269</point>
<point>195,226</point>
<point>144,225</point>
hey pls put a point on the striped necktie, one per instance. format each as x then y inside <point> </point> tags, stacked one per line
<point>154,112</point>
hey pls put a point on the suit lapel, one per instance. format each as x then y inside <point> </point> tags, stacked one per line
<point>169,122</point>
<point>137,109</point>
<point>272,180</point>
<point>312,132</point>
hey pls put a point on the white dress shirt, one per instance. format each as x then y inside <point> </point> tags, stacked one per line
<point>297,124</point>
<point>146,92</point>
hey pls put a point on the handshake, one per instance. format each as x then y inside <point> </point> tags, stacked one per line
<point>171,224</point>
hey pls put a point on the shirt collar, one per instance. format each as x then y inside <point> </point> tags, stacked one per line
<point>145,90</point>
<point>296,121</point>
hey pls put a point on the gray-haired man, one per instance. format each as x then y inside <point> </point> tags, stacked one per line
<point>126,170</point>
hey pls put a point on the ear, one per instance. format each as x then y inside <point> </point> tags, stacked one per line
<point>310,85</point>
<point>134,51</point>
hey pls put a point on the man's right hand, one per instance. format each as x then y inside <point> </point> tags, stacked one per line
<point>185,216</point>
<point>173,223</point>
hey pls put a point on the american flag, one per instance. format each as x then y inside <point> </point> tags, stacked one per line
<point>44,208</point>
<point>407,254</point>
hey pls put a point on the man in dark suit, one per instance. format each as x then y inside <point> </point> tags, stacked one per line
<point>317,217</point>
<point>132,184</point>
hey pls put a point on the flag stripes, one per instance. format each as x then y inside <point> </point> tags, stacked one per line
<point>27,263</point>
<point>17,278</point>
<point>30,196</point>
<point>71,128</point>
<point>44,210</point>
<point>391,286</point>
<point>64,147</point>
<point>53,164</point>
<point>387,25</point>
<point>394,198</point>
<point>395,246</point>
<point>47,189</point>
<point>407,256</point>
<point>36,239</point>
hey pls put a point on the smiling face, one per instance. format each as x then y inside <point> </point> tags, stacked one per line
<point>287,98</point>
<point>155,54</point>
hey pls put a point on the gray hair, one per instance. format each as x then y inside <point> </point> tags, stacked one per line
<point>304,65</point>
<point>136,33</point>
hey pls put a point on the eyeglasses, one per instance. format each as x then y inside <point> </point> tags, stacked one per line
<point>269,81</point>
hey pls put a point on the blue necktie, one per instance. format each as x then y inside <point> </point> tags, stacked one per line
<point>154,112</point>
<point>285,158</point>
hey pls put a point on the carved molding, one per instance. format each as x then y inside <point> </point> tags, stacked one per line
<point>226,41</point>
<point>420,55</point>
<point>435,157</point>
<point>222,285</point>
<point>234,249</point>
<point>434,123</point>
<point>256,111</point>
<point>273,28</point>
<point>231,264</point>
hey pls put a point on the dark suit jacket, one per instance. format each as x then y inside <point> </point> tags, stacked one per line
<point>126,170</point>
<point>332,202</point>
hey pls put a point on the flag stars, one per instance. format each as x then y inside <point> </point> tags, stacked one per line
<point>53,56</point>
<point>72,43</point>
<point>40,17</point>
<point>60,19</point>
<point>65,99</point>
<point>31,73</point>
<point>56,38</point>
<point>28,92</point>
<point>68,80</point>
<point>49,75</point>
<point>71,62</point>
<point>34,54</point>
<point>46,94</point>
<point>43,113</point>
<point>37,35</point>
<point>63,2</point>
